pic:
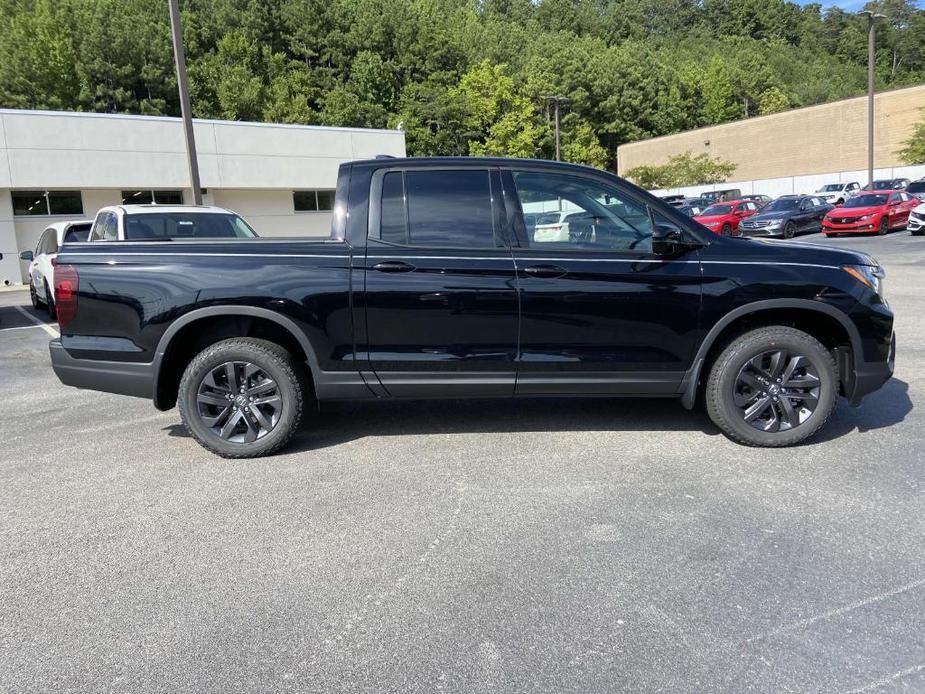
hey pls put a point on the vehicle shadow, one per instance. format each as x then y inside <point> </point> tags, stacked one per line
<point>882,408</point>
<point>337,423</point>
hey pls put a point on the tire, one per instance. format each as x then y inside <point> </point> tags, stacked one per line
<point>726,230</point>
<point>917,232</point>
<point>50,303</point>
<point>789,230</point>
<point>884,227</point>
<point>34,297</point>
<point>247,434</point>
<point>730,397</point>
<point>829,234</point>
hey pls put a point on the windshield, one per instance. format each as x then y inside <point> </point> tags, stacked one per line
<point>178,225</point>
<point>782,205</point>
<point>831,188</point>
<point>871,200</point>
<point>716,210</point>
<point>879,185</point>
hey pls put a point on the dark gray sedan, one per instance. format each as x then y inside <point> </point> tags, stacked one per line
<point>786,217</point>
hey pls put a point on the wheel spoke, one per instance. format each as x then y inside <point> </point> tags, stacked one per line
<point>809,399</point>
<point>261,418</point>
<point>752,381</point>
<point>792,365</point>
<point>273,400</point>
<point>743,399</point>
<point>777,363</point>
<point>209,380</point>
<point>263,387</point>
<point>807,380</point>
<point>251,434</point>
<point>755,365</point>
<point>213,399</point>
<point>752,412</point>
<point>231,375</point>
<point>250,370</point>
<point>211,421</point>
<point>791,418</point>
<point>231,424</point>
<point>773,424</point>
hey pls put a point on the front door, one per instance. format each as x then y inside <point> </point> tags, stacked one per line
<point>600,313</point>
<point>440,285</point>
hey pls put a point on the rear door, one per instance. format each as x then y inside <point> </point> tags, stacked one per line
<point>600,313</point>
<point>440,284</point>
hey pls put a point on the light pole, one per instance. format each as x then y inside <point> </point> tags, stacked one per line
<point>872,18</point>
<point>180,59</point>
<point>556,100</point>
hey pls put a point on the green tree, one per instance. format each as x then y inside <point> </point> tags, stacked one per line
<point>913,151</point>
<point>682,170</point>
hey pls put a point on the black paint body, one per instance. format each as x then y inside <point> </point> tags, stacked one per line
<point>379,320</point>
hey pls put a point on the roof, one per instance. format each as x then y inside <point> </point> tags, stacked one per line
<point>161,209</point>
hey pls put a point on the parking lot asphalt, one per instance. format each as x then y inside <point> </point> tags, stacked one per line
<point>505,546</point>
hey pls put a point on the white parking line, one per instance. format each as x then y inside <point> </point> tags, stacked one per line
<point>44,326</point>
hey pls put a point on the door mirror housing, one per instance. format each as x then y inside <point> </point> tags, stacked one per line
<point>28,256</point>
<point>667,239</point>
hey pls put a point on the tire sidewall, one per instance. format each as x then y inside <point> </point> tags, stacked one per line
<point>743,350</point>
<point>274,364</point>
<point>50,303</point>
<point>788,230</point>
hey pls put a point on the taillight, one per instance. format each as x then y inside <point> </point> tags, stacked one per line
<point>67,282</point>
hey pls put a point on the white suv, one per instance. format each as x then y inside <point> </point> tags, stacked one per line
<point>166,222</point>
<point>42,260</point>
<point>837,193</point>
<point>916,224</point>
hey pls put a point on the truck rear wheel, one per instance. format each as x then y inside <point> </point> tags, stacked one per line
<point>773,386</point>
<point>242,397</point>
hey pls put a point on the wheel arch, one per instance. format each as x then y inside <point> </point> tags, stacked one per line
<point>827,323</point>
<point>216,323</point>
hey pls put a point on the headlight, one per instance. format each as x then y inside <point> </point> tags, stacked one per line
<point>866,216</point>
<point>774,223</point>
<point>867,275</point>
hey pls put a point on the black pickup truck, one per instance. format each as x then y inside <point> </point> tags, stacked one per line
<point>438,282</point>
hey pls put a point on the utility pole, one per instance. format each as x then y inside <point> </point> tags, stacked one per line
<point>180,59</point>
<point>872,18</point>
<point>555,99</point>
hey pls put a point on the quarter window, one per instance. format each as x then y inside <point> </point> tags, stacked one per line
<point>313,200</point>
<point>31,203</point>
<point>594,217</point>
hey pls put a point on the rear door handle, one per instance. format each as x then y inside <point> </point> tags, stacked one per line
<point>546,271</point>
<point>393,266</point>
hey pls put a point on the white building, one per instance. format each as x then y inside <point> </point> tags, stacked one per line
<point>62,165</point>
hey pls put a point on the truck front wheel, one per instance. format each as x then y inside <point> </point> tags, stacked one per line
<point>242,397</point>
<point>773,386</point>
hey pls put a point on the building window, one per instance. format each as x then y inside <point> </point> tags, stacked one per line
<point>313,200</point>
<point>30,203</point>
<point>152,197</point>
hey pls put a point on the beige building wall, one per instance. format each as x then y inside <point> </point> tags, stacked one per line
<point>817,139</point>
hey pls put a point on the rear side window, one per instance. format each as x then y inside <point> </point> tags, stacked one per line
<point>77,232</point>
<point>437,209</point>
<point>105,228</point>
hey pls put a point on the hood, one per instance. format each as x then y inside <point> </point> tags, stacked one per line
<point>713,218</point>
<point>775,214</point>
<point>771,251</point>
<point>920,209</point>
<point>856,211</point>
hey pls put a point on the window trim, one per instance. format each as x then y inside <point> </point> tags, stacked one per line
<point>46,196</point>
<point>374,220</point>
<point>317,210</point>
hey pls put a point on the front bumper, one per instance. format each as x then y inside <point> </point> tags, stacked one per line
<point>122,378</point>
<point>868,226</point>
<point>915,224</point>
<point>763,232</point>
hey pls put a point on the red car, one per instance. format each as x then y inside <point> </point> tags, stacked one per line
<point>868,213</point>
<point>724,217</point>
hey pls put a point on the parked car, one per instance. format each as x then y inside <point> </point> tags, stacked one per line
<point>721,195</point>
<point>675,200</point>
<point>165,222</point>
<point>787,216</point>
<point>916,188</point>
<point>431,287</point>
<point>884,184</point>
<point>690,210</point>
<point>870,213</point>
<point>758,199</point>
<point>42,260</point>
<point>837,193</point>
<point>548,226</point>
<point>723,218</point>
<point>916,224</point>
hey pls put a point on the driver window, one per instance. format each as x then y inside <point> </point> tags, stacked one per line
<point>563,212</point>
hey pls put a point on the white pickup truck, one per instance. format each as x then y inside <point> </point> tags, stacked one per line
<point>165,222</point>
<point>837,193</point>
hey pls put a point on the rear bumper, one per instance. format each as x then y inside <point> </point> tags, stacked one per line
<point>123,378</point>
<point>870,376</point>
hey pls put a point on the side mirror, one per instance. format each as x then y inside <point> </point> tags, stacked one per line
<point>667,239</point>
<point>27,256</point>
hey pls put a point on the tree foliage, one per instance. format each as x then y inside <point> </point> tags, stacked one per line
<point>460,76</point>
<point>913,151</point>
<point>682,170</point>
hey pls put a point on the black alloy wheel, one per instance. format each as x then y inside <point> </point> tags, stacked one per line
<point>884,226</point>
<point>777,390</point>
<point>726,230</point>
<point>789,230</point>
<point>239,402</point>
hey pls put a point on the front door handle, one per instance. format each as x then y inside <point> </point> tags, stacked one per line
<point>546,271</point>
<point>393,266</point>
